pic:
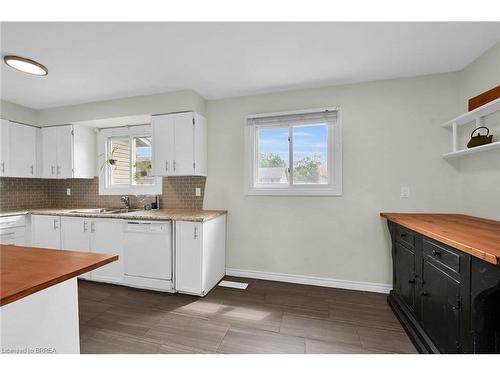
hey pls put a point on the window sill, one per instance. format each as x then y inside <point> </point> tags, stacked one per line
<point>294,192</point>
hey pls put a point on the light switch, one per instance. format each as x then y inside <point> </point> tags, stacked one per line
<point>405,192</point>
<point>68,191</point>
<point>197,192</point>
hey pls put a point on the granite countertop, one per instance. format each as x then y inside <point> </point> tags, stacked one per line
<point>162,214</point>
<point>473,235</point>
<point>27,270</point>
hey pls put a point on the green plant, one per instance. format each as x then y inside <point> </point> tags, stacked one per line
<point>109,160</point>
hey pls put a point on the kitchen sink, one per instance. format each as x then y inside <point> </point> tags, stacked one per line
<point>105,210</point>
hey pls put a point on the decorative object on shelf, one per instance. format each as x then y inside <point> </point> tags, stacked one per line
<point>484,98</point>
<point>479,139</point>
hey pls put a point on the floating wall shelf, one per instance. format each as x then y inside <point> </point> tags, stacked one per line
<point>476,115</point>
<point>479,112</point>
<point>473,150</point>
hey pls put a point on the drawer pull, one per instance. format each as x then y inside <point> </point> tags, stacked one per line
<point>403,235</point>
<point>424,294</point>
<point>436,253</point>
<point>411,281</point>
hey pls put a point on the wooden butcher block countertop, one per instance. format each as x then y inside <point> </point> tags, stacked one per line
<point>473,235</point>
<point>27,270</point>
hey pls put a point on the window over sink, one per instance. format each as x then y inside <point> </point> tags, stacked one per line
<point>125,161</point>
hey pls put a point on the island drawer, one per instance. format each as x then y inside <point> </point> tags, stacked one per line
<point>405,236</point>
<point>441,254</point>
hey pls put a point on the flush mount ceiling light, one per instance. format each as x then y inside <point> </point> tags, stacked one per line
<point>26,65</point>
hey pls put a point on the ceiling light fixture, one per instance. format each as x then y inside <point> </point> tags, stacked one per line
<point>26,65</point>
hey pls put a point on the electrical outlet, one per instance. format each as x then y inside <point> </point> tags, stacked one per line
<point>405,192</point>
<point>68,191</point>
<point>197,192</point>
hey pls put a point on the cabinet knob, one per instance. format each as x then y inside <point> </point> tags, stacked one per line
<point>436,253</point>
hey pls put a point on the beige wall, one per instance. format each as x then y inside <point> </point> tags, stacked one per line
<point>14,112</point>
<point>391,137</point>
<point>178,101</point>
<point>480,173</point>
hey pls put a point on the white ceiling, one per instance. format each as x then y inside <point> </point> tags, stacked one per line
<point>98,61</point>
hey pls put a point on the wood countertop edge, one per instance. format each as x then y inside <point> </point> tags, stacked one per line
<point>56,280</point>
<point>478,253</point>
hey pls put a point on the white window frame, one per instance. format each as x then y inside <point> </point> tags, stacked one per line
<point>334,152</point>
<point>103,140</point>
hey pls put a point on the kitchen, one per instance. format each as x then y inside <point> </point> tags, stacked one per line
<point>206,206</point>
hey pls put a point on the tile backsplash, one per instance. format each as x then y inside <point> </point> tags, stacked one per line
<point>23,193</point>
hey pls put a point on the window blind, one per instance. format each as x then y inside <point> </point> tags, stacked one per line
<point>294,119</point>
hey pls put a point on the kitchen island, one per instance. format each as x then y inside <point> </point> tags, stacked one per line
<point>446,281</point>
<point>39,298</point>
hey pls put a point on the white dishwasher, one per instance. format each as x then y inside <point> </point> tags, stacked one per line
<point>147,253</point>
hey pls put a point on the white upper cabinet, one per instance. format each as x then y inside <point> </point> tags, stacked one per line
<point>23,150</point>
<point>4,148</point>
<point>179,144</point>
<point>68,151</point>
<point>18,149</point>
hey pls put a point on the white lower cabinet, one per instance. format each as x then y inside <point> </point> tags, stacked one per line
<point>99,236</point>
<point>46,231</point>
<point>106,236</point>
<point>200,255</point>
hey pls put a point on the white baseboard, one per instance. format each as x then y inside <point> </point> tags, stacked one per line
<point>311,280</point>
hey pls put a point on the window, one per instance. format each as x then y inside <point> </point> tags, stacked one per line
<point>295,153</point>
<point>125,162</point>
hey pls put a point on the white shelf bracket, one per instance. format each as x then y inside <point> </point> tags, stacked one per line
<point>454,145</point>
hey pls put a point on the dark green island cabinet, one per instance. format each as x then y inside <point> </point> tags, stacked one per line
<point>447,300</point>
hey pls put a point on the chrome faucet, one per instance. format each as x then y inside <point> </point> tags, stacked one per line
<point>126,199</point>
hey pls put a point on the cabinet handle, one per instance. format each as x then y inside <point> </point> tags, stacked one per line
<point>411,281</point>
<point>32,168</point>
<point>52,169</point>
<point>3,166</point>
<point>58,169</point>
<point>195,233</point>
<point>92,227</point>
<point>424,294</point>
<point>85,226</point>
<point>56,226</point>
<point>174,166</point>
<point>436,253</point>
<point>166,165</point>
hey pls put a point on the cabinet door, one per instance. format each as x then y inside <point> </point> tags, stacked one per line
<point>75,235</point>
<point>106,236</point>
<point>405,274</point>
<point>4,147</point>
<point>49,152</point>
<point>440,304</point>
<point>64,151</point>
<point>23,150</point>
<point>200,145</point>
<point>163,145</point>
<point>184,144</point>
<point>188,257</point>
<point>46,231</point>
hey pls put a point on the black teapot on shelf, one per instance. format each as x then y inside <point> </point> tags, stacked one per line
<point>480,139</point>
